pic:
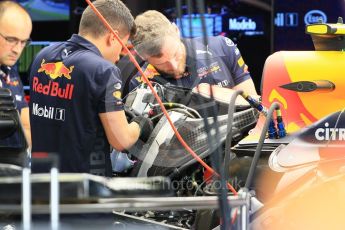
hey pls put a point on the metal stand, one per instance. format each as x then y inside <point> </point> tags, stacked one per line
<point>54,192</point>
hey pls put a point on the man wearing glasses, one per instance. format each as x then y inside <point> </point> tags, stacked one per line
<point>15,30</point>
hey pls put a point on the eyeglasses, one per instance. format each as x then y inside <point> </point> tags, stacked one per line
<point>13,41</point>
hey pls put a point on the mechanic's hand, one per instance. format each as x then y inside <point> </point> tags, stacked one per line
<point>146,127</point>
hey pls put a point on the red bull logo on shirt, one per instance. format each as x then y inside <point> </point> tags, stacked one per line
<point>54,88</point>
<point>205,70</point>
<point>56,69</point>
<point>150,72</point>
<point>13,83</point>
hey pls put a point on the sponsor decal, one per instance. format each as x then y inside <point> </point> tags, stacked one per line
<point>117,86</point>
<point>56,69</point>
<point>327,134</point>
<point>53,89</point>
<point>288,19</point>
<point>242,23</point>
<point>13,83</point>
<point>204,71</point>
<point>19,97</point>
<point>315,16</point>
<point>98,156</point>
<point>240,62</point>
<point>48,112</point>
<point>150,72</point>
<point>223,83</point>
<point>237,51</point>
<point>204,51</point>
<point>117,94</point>
<point>7,79</point>
<point>66,52</point>
<point>229,42</point>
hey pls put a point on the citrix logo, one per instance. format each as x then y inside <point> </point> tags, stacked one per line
<point>327,134</point>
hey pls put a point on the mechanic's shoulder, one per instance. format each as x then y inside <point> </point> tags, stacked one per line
<point>48,50</point>
<point>89,60</point>
<point>217,45</point>
<point>105,66</point>
<point>221,41</point>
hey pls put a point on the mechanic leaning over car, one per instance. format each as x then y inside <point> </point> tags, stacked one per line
<point>188,62</point>
<point>15,30</point>
<point>76,108</point>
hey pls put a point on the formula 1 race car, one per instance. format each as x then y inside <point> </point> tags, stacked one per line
<point>290,167</point>
<point>293,79</point>
<point>164,155</point>
<point>303,181</point>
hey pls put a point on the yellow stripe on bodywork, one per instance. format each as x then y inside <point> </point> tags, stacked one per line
<point>275,95</point>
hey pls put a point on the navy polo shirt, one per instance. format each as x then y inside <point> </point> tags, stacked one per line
<point>71,84</point>
<point>218,63</point>
<point>10,79</point>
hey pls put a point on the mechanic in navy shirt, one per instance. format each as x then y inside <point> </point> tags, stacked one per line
<point>75,107</point>
<point>15,30</point>
<point>188,62</point>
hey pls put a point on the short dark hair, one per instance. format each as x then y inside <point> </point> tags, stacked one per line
<point>114,11</point>
<point>7,4</point>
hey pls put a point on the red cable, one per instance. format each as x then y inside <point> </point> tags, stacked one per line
<point>184,144</point>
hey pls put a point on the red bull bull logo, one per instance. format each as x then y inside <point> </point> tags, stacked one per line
<point>150,72</point>
<point>56,69</point>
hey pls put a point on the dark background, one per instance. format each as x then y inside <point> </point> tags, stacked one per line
<point>254,49</point>
<point>285,34</point>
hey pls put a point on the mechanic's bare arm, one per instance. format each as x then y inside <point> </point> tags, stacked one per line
<point>223,94</point>
<point>247,86</point>
<point>120,134</point>
<point>24,117</point>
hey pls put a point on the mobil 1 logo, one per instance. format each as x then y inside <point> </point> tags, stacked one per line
<point>48,112</point>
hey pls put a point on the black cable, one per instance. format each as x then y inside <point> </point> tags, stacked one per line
<point>179,105</point>
<point>217,156</point>
<point>179,110</point>
<point>224,206</point>
<point>228,139</point>
<point>215,160</point>
<point>272,27</point>
<point>179,15</point>
<point>257,154</point>
<point>204,112</point>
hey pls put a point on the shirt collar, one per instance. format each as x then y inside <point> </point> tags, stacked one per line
<point>4,71</point>
<point>190,52</point>
<point>84,43</point>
